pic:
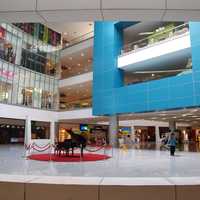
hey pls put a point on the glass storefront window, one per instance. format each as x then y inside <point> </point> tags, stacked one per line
<point>27,69</point>
<point>40,130</point>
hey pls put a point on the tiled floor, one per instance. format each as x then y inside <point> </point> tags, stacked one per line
<point>124,163</point>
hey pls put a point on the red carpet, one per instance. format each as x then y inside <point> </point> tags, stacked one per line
<point>75,158</point>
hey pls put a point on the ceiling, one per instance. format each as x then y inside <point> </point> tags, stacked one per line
<point>72,30</point>
<point>77,63</point>
<point>76,92</point>
<point>132,33</point>
<point>87,10</point>
<point>188,116</point>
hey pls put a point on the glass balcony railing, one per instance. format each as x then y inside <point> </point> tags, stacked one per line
<point>20,48</point>
<point>161,35</point>
<point>25,87</point>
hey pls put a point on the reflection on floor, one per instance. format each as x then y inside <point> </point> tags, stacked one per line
<point>189,147</point>
<point>124,163</point>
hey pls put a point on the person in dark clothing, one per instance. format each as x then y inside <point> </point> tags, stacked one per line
<point>172,144</point>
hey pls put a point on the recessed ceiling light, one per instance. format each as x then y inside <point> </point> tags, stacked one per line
<point>152,75</point>
<point>79,64</point>
<point>82,54</point>
<point>163,114</point>
<point>195,110</point>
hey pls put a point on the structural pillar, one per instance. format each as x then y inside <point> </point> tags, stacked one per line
<point>52,132</point>
<point>157,133</point>
<point>113,130</point>
<point>172,126</point>
<point>133,133</point>
<point>27,137</point>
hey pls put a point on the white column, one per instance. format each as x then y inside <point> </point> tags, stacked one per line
<point>27,138</point>
<point>52,132</point>
<point>113,130</point>
<point>157,133</point>
<point>172,126</point>
<point>133,133</point>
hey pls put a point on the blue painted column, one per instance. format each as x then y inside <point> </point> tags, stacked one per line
<point>108,41</point>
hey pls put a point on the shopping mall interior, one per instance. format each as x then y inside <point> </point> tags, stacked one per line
<point>96,95</point>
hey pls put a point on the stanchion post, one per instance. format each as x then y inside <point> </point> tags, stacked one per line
<point>112,150</point>
<point>50,149</point>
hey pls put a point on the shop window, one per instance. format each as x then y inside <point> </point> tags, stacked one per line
<point>40,130</point>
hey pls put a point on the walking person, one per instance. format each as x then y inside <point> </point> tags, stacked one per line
<point>172,144</point>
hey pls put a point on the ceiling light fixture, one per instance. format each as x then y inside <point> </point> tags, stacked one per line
<point>82,54</point>
<point>146,33</point>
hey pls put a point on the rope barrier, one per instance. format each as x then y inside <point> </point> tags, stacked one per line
<point>41,147</point>
<point>38,148</point>
<point>89,150</point>
<point>41,150</point>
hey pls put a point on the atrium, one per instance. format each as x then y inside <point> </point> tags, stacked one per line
<point>99,99</point>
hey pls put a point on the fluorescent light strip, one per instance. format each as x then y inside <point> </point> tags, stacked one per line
<point>160,49</point>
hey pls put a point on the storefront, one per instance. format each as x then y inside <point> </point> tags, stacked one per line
<point>96,134</point>
<point>145,134</point>
<point>12,131</point>
<point>28,67</point>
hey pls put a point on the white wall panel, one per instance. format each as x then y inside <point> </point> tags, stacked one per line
<point>183,4</point>
<point>76,114</point>
<point>135,15</point>
<point>21,17</point>
<point>17,5</point>
<point>67,4</point>
<point>17,112</point>
<point>181,15</point>
<point>133,4</point>
<point>70,16</point>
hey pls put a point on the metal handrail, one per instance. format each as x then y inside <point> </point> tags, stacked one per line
<point>178,30</point>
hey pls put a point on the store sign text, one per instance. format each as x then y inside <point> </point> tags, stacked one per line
<point>6,74</point>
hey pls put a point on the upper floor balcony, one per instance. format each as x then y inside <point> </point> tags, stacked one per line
<point>164,49</point>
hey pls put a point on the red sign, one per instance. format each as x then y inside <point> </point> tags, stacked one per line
<point>2,32</point>
<point>7,74</point>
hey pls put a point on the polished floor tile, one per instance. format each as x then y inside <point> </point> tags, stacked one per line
<point>124,163</point>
